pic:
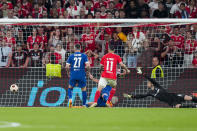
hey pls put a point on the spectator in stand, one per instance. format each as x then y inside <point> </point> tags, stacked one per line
<point>35,11</point>
<point>109,15</point>
<point>54,13</point>
<point>97,14</point>
<point>161,12</point>
<point>142,6</point>
<point>153,6</point>
<point>116,14</point>
<point>89,7</point>
<point>88,39</point>
<point>60,10</point>
<point>71,39</point>
<point>177,37</point>
<point>10,40</point>
<point>5,54</point>
<point>171,54</point>
<point>118,44</point>
<point>168,5</point>
<point>148,52</point>
<point>35,56</point>
<point>82,13</point>
<point>131,10</point>
<point>55,37</point>
<point>103,12</point>
<point>91,57</point>
<point>103,43</point>
<point>10,14</point>
<point>27,6</point>
<point>122,14</point>
<point>66,15</point>
<point>192,9</point>
<point>34,38</point>
<point>73,9</point>
<point>61,51</point>
<point>43,35</point>
<point>175,8</point>
<point>52,57</point>
<point>19,57</point>
<point>111,6</point>
<point>1,14</point>
<point>4,9</point>
<point>182,13</point>
<point>21,39</point>
<point>99,3</point>
<point>189,48</point>
<point>194,61</point>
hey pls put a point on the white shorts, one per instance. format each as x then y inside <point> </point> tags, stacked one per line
<point>103,82</point>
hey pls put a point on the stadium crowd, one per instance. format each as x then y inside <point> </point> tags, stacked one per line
<point>80,9</point>
<point>35,45</point>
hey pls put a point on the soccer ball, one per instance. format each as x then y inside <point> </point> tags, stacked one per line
<point>13,88</point>
<point>114,100</point>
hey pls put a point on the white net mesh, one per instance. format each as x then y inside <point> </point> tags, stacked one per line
<point>49,42</point>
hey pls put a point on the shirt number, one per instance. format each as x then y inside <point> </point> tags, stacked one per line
<point>109,65</point>
<point>77,62</point>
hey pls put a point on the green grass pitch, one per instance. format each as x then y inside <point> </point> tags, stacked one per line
<point>98,119</point>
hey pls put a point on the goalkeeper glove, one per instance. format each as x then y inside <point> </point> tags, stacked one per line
<point>139,71</point>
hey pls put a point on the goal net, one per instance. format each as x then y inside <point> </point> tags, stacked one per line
<point>29,45</point>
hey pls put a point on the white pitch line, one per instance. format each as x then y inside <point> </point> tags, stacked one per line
<point>6,124</point>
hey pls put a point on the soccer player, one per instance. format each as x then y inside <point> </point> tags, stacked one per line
<point>75,67</point>
<point>109,74</point>
<point>157,91</point>
<point>111,91</point>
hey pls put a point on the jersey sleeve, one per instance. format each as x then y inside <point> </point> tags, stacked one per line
<point>119,59</point>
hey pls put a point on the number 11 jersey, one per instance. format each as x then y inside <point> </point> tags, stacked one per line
<point>110,61</point>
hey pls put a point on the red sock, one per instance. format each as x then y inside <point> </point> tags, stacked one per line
<point>112,92</point>
<point>97,95</point>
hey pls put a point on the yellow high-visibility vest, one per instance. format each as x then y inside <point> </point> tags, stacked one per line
<point>53,70</point>
<point>153,74</point>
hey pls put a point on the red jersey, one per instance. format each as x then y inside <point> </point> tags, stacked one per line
<point>31,40</point>
<point>91,60</point>
<point>10,41</point>
<point>98,4</point>
<point>194,62</point>
<point>178,40</point>
<point>89,40</point>
<point>110,61</point>
<point>190,46</point>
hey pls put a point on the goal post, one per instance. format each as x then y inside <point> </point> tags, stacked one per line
<point>137,41</point>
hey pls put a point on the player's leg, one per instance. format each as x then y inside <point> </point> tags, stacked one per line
<point>102,83</point>
<point>113,84</point>
<point>70,90</point>
<point>72,83</point>
<point>82,84</point>
<point>190,98</point>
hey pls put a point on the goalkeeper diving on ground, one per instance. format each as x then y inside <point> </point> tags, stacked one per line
<point>174,100</point>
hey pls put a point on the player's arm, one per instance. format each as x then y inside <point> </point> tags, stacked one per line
<point>139,96</point>
<point>88,67</point>
<point>68,69</point>
<point>124,73</point>
<point>139,71</point>
<point>124,67</point>
<point>93,79</point>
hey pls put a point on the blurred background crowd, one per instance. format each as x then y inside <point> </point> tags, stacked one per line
<point>81,9</point>
<point>36,45</point>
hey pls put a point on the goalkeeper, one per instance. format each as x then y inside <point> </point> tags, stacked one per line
<point>157,91</point>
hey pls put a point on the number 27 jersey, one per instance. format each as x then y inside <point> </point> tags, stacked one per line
<point>77,63</point>
<point>110,61</point>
